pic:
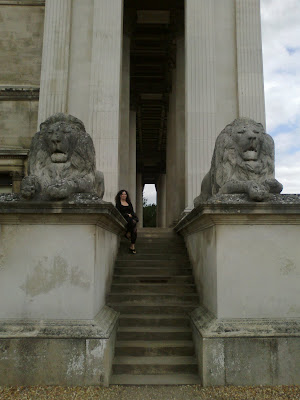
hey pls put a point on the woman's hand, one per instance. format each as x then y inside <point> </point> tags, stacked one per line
<point>129,215</point>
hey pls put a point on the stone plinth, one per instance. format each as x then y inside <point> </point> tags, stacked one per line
<point>241,351</point>
<point>57,262</point>
<point>245,257</point>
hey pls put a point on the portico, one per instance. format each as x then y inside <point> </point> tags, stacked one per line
<point>154,84</point>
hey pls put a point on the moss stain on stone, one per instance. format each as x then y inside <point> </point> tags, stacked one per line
<point>44,279</point>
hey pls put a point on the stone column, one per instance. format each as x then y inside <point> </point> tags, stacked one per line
<point>175,164</point>
<point>200,101</point>
<point>124,159</point>
<point>80,59</point>
<point>249,60</point>
<point>161,202</point>
<point>132,157</point>
<point>139,198</point>
<point>180,128</point>
<point>105,81</point>
<point>55,59</point>
<point>171,166</point>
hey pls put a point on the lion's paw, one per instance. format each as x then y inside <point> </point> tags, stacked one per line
<point>29,187</point>
<point>257,192</point>
<point>59,191</point>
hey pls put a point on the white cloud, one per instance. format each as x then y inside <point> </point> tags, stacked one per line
<point>281,52</point>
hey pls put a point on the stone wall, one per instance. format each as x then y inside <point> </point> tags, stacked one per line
<point>21,41</point>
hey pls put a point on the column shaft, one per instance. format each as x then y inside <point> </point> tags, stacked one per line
<point>132,157</point>
<point>104,103</point>
<point>180,128</point>
<point>249,60</point>
<point>200,81</point>
<point>124,160</point>
<point>55,58</point>
<point>139,199</point>
<point>171,155</point>
<point>161,202</point>
<point>80,59</point>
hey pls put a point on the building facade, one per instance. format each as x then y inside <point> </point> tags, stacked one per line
<point>153,82</point>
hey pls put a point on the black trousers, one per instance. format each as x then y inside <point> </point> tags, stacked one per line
<point>131,228</point>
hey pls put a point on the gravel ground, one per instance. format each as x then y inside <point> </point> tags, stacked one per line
<point>186,392</point>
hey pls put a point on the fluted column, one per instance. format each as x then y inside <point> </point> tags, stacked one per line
<point>249,60</point>
<point>104,103</point>
<point>125,109</point>
<point>161,202</point>
<point>132,157</point>
<point>55,58</point>
<point>200,81</point>
<point>139,199</point>
<point>180,128</point>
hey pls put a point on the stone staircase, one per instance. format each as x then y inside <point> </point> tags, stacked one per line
<point>153,291</point>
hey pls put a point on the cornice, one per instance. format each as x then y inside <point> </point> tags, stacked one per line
<point>19,92</point>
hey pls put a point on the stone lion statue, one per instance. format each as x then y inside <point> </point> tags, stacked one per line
<point>243,162</point>
<point>61,161</point>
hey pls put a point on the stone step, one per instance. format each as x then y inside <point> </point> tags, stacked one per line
<point>154,333</point>
<point>177,241</point>
<point>152,308</point>
<point>154,365</point>
<point>151,271</point>
<point>155,348</point>
<point>166,379</point>
<point>153,320</point>
<point>157,232</point>
<point>172,239</point>
<point>153,279</point>
<point>153,298</point>
<point>152,263</point>
<point>152,288</point>
<point>125,256</point>
<point>151,249</point>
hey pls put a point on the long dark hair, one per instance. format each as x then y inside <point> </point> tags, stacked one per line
<point>118,197</point>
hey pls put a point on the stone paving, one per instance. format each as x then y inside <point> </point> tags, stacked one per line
<point>186,392</point>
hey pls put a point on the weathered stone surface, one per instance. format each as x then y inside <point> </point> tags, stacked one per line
<point>21,42</point>
<point>58,352</point>
<point>246,351</point>
<point>18,120</point>
<point>243,162</point>
<point>245,256</point>
<point>61,161</point>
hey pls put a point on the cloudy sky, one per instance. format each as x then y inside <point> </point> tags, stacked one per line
<point>281,54</point>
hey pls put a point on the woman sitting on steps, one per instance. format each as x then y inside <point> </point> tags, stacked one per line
<point>123,204</point>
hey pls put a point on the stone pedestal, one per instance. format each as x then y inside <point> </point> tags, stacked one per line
<point>56,268</point>
<point>245,257</point>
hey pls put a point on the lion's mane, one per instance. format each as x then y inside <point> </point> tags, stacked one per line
<point>227,163</point>
<point>80,166</point>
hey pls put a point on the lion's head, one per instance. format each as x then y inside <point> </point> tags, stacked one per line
<point>243,151</point>
<point>63,152</point>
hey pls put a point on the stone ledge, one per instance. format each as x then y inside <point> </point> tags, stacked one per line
<point>22,2</point>
<point>19,92</point>
<point>210,327</point>
<point>99,328</point>
<point>239,210</point>
<point>81,208</point>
